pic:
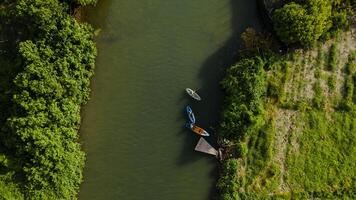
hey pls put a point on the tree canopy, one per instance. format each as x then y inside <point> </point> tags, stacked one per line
<point>55,60</point>
<point>245,86</point>
<point>302,23</point>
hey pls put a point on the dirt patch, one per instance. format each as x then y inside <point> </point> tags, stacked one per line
<point>306,92</point>
<point>300,86</point>
<point>285,124</point>
<point>347,44</point>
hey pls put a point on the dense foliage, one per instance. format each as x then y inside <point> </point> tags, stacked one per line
<point>51,65</point>
<point>227,183</point>
<point>245,86</point>
<point>304,24</point>
<point>243,116</point>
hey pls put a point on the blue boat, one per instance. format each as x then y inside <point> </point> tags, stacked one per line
<point>190,114</point>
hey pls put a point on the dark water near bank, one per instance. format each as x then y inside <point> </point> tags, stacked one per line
<point>133,127</point>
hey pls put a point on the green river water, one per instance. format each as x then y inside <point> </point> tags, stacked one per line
<point>132,129</point>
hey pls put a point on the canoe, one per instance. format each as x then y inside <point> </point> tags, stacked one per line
<point>196,129</point>
<point>193,94</point>
<point>190,114</point>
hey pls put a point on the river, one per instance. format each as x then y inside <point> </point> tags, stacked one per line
<point>132,129</point>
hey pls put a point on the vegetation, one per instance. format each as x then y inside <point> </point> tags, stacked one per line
<point>82,2</point>
<point>304,22</point>
<point>245,86</point>
<point>228,182</point>
<point>333,57</point>
<point>47,59</point>
<point>325,165</point>
<point>288,125</point>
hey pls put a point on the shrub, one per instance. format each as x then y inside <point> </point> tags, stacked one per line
<point>245,85</point>
<point>302,24</point>
<point>256,42</point>
<point>339,20</point>
<point>228,183</point>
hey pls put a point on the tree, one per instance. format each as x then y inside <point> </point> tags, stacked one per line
<point>245,85</point>
<point>303,24</point>
<point>255,40</point>
<point>57,61</point>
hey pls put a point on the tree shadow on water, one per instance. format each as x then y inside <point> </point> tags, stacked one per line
<point>243,15</point>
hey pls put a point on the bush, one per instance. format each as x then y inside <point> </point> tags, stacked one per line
<point>245,85</point>
<point>228,183</point>
<point>242,149</point>
<point>256,42</point>
<point>302,24</point>
<point>339,20</point>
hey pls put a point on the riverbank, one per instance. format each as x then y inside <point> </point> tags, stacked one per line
<point>289,122</point>
<point>47,60</point>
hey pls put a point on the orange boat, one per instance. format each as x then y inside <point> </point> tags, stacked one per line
<point>198,130</point>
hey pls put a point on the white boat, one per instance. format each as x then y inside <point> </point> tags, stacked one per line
<point>193,94</point>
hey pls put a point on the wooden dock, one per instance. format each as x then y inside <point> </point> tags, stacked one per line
<point>205,147</point>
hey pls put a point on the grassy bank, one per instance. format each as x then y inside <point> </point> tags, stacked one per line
<point>288,125</point>
<point>47,59</point>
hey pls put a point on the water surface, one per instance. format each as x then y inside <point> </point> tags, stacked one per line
<point>133,126</point>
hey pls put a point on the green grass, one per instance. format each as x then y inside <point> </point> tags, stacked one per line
<point>319,61</point>
<point>333,57</point>
<point>319,97</point>
<point>280,73</point>
<point>351,64</point>
<point>319,156</point>
<point>260,151</point>
<point>332,82</point>
<point>325,164</point>
<point>350,80</point>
